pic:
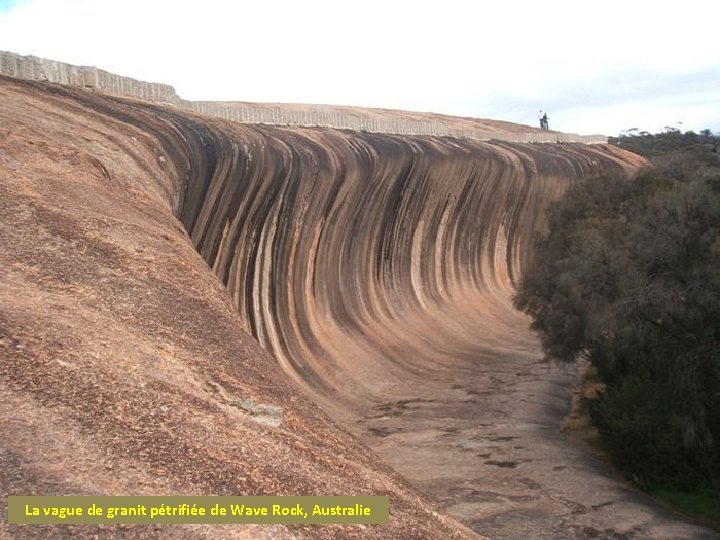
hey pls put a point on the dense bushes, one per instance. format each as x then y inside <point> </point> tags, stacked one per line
<point>628,276</point>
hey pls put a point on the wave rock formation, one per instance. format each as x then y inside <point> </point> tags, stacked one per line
<point>375,269</point>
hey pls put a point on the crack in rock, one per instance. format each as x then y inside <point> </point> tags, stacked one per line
<point>262,413</point>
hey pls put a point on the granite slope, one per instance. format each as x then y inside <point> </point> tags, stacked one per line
<point>122,358</point>
<point>143,245</point>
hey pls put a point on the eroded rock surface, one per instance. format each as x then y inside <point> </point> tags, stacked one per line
<point>112,326</point>
<point>376,269</point>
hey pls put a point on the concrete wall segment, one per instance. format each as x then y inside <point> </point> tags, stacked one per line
<point>91,78</point>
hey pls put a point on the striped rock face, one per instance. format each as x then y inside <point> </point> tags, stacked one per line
<point>196,306</point>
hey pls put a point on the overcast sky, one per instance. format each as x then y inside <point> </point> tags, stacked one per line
<point>596,67</point>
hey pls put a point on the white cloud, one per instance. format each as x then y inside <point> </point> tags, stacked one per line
<point>590,64</point>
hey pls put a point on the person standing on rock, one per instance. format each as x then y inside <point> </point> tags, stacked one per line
<point>544,121</point>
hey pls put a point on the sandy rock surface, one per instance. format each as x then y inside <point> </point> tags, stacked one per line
<point>196,306</point>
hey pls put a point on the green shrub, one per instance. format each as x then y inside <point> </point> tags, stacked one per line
<point>628,276</point>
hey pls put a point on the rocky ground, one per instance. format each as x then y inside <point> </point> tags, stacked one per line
<point>141,248</point>
<point>118,347</point>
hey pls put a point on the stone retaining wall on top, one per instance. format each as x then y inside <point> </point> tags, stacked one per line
<point>91,78</point>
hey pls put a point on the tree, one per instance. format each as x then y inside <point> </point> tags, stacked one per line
<point>628,276</point>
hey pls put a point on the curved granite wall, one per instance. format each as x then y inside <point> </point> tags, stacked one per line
<point>377,269</point>
<point>353,257</point>
<point>124,369</point>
